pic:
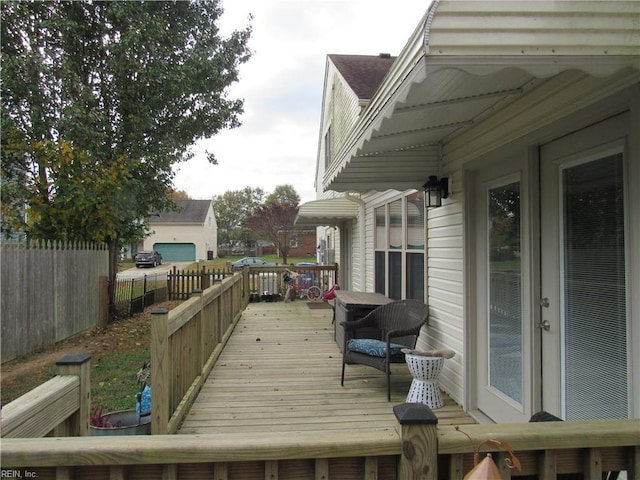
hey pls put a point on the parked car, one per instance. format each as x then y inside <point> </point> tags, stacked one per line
<point>148,257</point>
<point>252,262</point>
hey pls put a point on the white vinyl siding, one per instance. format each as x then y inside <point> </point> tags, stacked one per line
<point>445,291</point>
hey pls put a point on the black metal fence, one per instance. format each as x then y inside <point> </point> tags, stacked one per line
<point>133,295</point>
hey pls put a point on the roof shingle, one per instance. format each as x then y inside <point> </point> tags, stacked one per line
<point>189,211</point>
<point>363,73</point>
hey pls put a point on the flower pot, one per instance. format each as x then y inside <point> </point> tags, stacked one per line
<point>129,423</point>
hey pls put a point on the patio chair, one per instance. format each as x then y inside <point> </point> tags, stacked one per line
<point>389,329</point>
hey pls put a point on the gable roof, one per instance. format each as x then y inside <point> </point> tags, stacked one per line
<point>189,211</point>
<point>363,73</point>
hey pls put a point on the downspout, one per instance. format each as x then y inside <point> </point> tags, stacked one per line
<point>362,225</point>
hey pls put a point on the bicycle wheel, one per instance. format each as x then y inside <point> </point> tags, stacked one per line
<point>314,293</point>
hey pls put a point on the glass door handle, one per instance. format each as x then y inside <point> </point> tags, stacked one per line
<point>545,325</point>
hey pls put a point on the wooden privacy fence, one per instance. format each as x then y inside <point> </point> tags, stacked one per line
<point>50,291</point>
<point>181,283</point>
<point>185,344</point>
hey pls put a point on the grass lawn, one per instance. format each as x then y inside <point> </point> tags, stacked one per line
<point>117,353</point>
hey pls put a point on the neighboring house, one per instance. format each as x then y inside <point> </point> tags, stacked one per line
<point>530,111</point>
<point>302,243</point>
<point>188,234</point>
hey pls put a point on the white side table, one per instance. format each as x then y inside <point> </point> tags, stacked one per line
<point>425,371</point>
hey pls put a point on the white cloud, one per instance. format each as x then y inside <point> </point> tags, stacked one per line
<point>282,87</point>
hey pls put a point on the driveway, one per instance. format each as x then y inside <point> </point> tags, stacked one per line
<point>160,271</point>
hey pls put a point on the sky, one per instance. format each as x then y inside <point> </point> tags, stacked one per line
<point>282,87</point>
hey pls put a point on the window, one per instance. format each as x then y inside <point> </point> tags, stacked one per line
<point>399,244</point>
<point>395,225</point>
<point>380,253</point>
<point>505,290</point>
<point>594,271</point>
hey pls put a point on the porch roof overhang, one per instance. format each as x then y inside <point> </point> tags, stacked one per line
<point>327,212</point>
<point>465,62</point>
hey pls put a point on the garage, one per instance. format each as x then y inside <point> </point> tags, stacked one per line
<point>177,252</point>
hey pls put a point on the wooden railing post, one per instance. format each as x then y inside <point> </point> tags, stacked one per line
<point>419,437</point>
<point>160,371</point>
<point>202,358</point>
<point>246,289</point>
<point>78,364</point>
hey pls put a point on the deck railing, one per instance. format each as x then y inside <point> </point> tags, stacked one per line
<point>182,283</point>
<point>268,281</point>
<point>185,344</point>
<point>547,451</point>
<point>58,407</point>
<point>424,451</point>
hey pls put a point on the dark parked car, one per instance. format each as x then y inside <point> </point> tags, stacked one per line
<point>148,257</point>
<point>252,262</point>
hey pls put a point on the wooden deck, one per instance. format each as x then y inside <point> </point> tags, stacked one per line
<point>280,373</point>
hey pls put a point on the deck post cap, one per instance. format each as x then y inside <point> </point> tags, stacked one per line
<point>74,359</point>
<point>414,414</point>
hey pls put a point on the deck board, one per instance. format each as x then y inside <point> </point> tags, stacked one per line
<point>280,373</point>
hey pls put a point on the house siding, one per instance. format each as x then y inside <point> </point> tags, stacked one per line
<point>570,28</point>
<point>345,111</point>
<point>445,292</point>
<point>341,111</point>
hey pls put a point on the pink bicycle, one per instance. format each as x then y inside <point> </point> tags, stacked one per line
<point>299,285</point>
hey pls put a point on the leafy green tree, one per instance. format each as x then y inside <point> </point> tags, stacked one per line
<point>99,100</point>
<point>284,195</point>
<point>232,209</point>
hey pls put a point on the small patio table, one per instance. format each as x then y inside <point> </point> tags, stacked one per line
<point>350,306</point>
<point>425,371</point>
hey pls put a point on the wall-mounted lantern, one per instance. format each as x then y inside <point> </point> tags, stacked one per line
<point>435,190</point>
